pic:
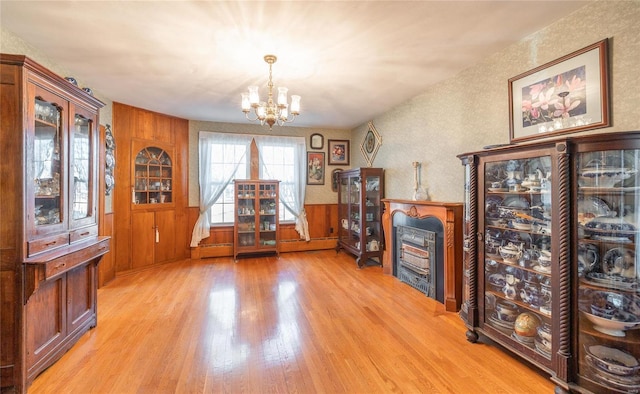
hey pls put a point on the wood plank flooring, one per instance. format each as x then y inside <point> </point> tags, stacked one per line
<point>308,322</point>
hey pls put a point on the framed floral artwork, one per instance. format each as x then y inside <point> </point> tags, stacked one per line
<point>338,152</point>
<point>370,144</point>
<point>315,168</point>
<point>566,95</point>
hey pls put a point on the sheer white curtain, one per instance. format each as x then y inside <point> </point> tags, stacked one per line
<point>213,183</point>
<point>292,183</point>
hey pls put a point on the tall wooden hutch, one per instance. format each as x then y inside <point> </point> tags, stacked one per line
<point>360,193</point>
<point>551,269</point>
<point>49,245</point>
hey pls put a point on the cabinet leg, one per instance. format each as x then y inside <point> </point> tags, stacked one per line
<point>472,336</point>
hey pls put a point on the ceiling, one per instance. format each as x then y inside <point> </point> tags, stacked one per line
<point>349,60</point>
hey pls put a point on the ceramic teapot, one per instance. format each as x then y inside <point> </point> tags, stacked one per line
<point>510,252</point>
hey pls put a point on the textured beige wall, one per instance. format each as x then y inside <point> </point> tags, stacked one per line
<point>471,110</point>
<point>315,194</point>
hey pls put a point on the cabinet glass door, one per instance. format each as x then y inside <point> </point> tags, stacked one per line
<point>47,165</point>
<point>371,221</point>
<point>81,168</point>
<point>608,201</point>
<point>345,199</point>
<point>246,214</point>
<point>518,258</point>
<point>354,212</point>
<point>268,214</point>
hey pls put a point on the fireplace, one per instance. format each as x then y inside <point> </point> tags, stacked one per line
<point>417,261</point>
<point>421,232</point>
<point>416,258</point>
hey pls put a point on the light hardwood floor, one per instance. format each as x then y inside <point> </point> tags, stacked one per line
<point>308,322</point>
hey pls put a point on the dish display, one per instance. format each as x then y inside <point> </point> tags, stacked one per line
<point>620,261</point>
<point>612,360</point>
<point>590,207</point>
<point>598,173</point>
<point>515,202</point>
<point>611,225</point>
<point>497,281</point>
<point>611,281</point>
<point>616,325</point>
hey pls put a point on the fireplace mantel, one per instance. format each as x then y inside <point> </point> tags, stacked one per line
<point>450,215</point>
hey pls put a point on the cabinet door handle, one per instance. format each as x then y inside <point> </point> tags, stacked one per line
<point>51,243</point>
<point>61,265</point>
<point>85,233</point>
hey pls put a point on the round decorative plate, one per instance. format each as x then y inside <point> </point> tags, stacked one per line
<point>110,161</point>
<point>619,261</point>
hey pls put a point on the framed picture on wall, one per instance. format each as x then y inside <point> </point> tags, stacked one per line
<point>315,168</point>
<point>316,141</point>
<point>338,152</point>
<point>566,95</point>
<point>370,144</point>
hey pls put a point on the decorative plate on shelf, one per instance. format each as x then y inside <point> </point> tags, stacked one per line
<point>620,261</point>
<point>612,281</point>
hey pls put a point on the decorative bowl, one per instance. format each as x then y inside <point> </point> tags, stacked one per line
<point>497,281</point>
<point>616,325</point>
<point>596,174</point>
<point>507,308</point>
<point>612,360</point>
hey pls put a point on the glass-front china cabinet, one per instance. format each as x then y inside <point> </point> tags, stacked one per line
<point>550,265</point>
<point>50,243</point>
<point>360,191</point>
<point>257,224</point>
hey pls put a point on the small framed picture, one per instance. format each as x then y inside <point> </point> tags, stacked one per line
<point>338,152</point>
<point>315,168</point>
<point>316,141</point>
<point>370,144</point>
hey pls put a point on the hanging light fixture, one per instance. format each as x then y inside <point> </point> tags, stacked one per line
<point>270,112</point>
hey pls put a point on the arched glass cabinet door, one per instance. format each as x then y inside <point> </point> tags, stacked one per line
<point>153,177</point>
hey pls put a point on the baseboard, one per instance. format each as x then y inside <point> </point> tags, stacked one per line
<point>226,250</point>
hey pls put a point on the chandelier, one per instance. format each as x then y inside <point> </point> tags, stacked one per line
<point>270,112</point>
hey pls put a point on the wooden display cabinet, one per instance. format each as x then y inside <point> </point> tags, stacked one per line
<point>50,246</point>
<point>153,215</point>
<point>551,270</point>
<point>257,224</point>
<point>360,192</point>
<point>152,174</point>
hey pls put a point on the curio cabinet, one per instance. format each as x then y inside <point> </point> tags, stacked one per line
<point>360,192</point>
<point>550,265</point>
<point>49,246</point>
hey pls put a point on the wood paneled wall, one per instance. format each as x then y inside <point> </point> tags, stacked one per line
<point>129,124</point>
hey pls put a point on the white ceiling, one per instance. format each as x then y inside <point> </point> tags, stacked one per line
<point>349,60</point>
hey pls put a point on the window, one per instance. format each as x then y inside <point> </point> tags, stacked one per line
<point>229,161</point>
<point>277,162</point>
<point>225,156</point>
